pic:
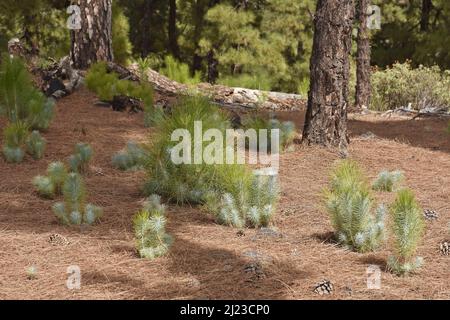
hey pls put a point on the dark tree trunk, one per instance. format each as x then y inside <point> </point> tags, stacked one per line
<point>213,73</point>
<point>93,42</point>
<point>363,86</point>
<point>173,32</point>
<point>427,5</point>
<point>146,27</point>
<point>326,115</point>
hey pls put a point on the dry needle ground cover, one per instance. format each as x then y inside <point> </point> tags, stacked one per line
<point>209,261</point>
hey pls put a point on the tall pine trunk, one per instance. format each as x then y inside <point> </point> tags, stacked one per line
<point>363,86</point>
<point>326,116</point>
<point>93,42</point>
<point>173,32</point>
<point>146,24</point>
<point>427,5</point>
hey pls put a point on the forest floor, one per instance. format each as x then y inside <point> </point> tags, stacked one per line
<point>208,261</point>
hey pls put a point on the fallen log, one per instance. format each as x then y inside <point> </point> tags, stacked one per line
<point>225,96</point>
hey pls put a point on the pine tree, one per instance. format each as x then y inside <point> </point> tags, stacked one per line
<point>152,241</point>
<point>407,229</point>
<point>73,210</point>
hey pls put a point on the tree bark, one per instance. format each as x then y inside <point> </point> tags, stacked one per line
<point>213,64</point>
<point>363,85</point>
<point>93,42</point>
<point>326,115</point>
<point>427,5</point>
<point>173,32</point>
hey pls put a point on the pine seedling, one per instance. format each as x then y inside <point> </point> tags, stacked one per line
<point>35,145</point>
<point>388,181</point>
<point>57,174</point>
<point>73,210</point>
<point>133,158</point>
<point>152,241</point>
<point>51,185</point>
<point>79,161</point>
<point>408,228</point>
<point>19,99</point>
<point>44,186</point>
<point>15,135</point>
<point>349,204</point>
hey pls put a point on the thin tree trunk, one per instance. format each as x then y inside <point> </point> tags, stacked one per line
<point>326,115</point>
<point>427,5</point>
<point>213,73</point>
<point>146,26</point>
<point>173,32</point>
<point>363,85</point>
<point>93,42</point>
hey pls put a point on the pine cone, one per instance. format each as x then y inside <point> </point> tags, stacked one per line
<point>324,287</point>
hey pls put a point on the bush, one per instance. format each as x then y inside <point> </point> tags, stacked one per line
<point>107,85</point>
<point>247,204</point>
<point>122,47</point>
<point>15,135</point>
<point>152,241</point>
<point>286,130</point>
<point>51,185</point>
<point>19,99</point>
<point>184,182</point>
<point>400,85</point>
<point>73,210</point>
<point>349,203</point>
<point>178,71</point>
<point>407,228</point>
<point>79,161</point>
<point>35,145</point>
<point>387,181</point>
<point>133,158</point>
<point>229,191</point>
<point>258,81</point>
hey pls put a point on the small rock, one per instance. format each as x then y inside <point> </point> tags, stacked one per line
<point>367,136</point>
<point>264,233</point>
<point>227,268</point>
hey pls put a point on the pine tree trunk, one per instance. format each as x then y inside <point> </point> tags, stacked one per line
<point>213,73</point>
<point>363,86</point>
<point>173,33</point>
<point>146,24</point>
<point>326,115</point>
<point>93,42</point>
<point>427,5</point>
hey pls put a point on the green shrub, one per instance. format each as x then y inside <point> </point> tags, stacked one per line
<point>51,185</point>
<point>79,161</point>
<point>184,182</point>
<point>179,71</point>
<point>286,130</point>
<point>73,210</point>
<point>349,203</point>
<point>122,47</point>
<point>133,158</point>
<point>19,99</point>
<point>387,181</point>
<point>107,85</point>
<point>35,145</point>
<point>152,241</point>
<point>400,85</point>
<point>250,203</point>
<point>257,81</point>
<point>15,135</point>
<point>407,228</point>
